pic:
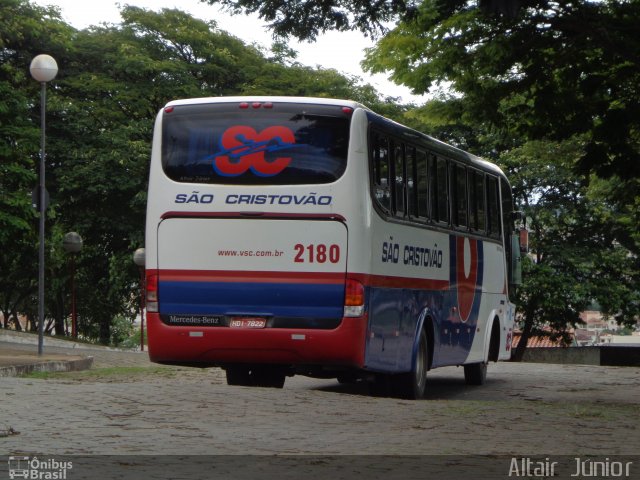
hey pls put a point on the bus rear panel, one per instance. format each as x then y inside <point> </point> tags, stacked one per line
<point>250,258</point>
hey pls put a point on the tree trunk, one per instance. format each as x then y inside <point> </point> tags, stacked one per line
<point>16,322</point>
<point>105,331</point>
<point>59,318</point>
<point>524,338</point>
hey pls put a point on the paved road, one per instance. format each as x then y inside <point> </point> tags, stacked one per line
<point>524,409</point>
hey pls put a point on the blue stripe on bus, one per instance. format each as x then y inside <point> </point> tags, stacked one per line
<point>240,298</point>
<point>394,314</point>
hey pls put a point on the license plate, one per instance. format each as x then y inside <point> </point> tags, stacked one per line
<point>251,322</point>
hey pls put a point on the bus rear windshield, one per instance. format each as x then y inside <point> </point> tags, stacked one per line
<point>281,144</point>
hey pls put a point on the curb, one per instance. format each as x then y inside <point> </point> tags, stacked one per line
<point>47,366</point>
<point>23,338</point>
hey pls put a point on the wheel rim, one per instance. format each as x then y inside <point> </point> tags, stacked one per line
<point>421,365</point>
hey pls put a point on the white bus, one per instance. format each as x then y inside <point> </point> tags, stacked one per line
<point>312,236</point>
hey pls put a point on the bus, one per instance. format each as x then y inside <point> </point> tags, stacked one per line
<point>312,236</point>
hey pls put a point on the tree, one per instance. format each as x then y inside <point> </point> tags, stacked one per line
<point>553,71</point>
<point>114,82</point>
<point>307,18</point>
<point>25,31</point>
<point>575,257</point>
<point>549,89</point>
<point>530,69</point>
<point>100,112</point>
<point>548,74</point>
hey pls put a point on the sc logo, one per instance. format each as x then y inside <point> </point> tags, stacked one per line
<point>242,149</point>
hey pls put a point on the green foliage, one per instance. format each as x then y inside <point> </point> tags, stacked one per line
<point>576,258</point>
<point>112,81</point>
<point>306,19</point>
<point>121,331</point>
<point>550,90</point>
<point>131,341</point>
<point>552,71</point>
<point>25,31</point>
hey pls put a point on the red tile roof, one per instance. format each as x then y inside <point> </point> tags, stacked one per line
<point>539,340</point>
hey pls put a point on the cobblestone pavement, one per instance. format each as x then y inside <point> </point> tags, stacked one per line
<point>524,409</point>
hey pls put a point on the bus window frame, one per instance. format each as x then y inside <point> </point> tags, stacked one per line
<point>439,167</point>
<point>457,172</point>
<point>376,170</point>
<point>422,152</point>
<point>477,225</point>
<point>398,150</point>
<point>434,158</point>
<point>411,165</point>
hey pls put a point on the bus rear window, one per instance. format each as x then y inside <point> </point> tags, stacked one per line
<point>281,144</point>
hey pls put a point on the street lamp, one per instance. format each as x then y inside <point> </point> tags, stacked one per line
<point>72,244</point>
<point>43,69</point>
<point>139,259</point>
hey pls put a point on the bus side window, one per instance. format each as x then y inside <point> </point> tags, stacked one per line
<point>421,180</point>
<point>381,169</point>
<point>412,181</point>
<point>493,207</point>
<point>477,201</point>
<point>399,176</point>
<point>439,191</point>
<point>459,194</point>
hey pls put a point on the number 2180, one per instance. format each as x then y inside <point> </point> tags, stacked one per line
<point>317,253</point>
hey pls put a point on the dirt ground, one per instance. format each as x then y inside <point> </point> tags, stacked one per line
<point>134,419</point>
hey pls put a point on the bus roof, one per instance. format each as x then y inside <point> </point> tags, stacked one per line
<point>434,144</point>
<point>282,99</point>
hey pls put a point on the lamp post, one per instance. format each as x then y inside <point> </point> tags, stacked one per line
<point>43,69</point>
<point>72,244</point>
<point>139,260</point>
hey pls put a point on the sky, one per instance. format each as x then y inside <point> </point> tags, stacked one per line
<point>342,51</point>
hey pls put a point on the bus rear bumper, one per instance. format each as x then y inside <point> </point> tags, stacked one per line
<point>343,346</point>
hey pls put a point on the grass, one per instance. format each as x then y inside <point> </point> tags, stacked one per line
<point>110,373</point>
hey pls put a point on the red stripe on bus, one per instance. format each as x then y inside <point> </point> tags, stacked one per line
<point>256,215</point>
<point>389,281</point>
<point>237,276</point>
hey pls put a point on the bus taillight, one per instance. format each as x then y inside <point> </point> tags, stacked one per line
<point>152,291</point>
<point>353,298</point>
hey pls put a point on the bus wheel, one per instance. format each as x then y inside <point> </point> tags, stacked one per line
<point>412,385</point>
<point>379,385</point>
<point>475,373</point>
<point>255,376</point>
<point>239,375</point>
<point>346,378</point>
<point>270,377</point>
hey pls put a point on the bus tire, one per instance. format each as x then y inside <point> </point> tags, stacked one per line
<point>269,377</point>
<point>379,385</point>
<point>239,375</point>
<point>255,376</point>
<point>413,385</point>
<point>475,373</point>
<point>348,378</point>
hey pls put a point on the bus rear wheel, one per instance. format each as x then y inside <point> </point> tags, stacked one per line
<point>413,385</point>
<point>255,376</point>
